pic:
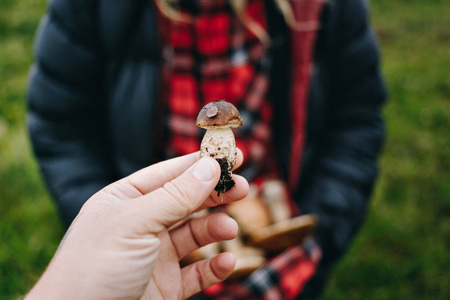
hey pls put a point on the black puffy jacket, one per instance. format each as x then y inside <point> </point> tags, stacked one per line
<point>93,88</point>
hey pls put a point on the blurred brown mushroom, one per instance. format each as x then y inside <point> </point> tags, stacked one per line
<point>248,258</point>
<point>275,198</point>
<point>250,213</point>
<point>282,235</point>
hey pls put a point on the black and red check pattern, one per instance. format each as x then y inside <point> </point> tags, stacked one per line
<point>216,57</point>
<point>283,277</point>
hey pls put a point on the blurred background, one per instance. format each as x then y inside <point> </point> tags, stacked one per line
<point>403,250</point>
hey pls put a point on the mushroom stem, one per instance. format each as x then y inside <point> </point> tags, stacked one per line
<point>219,143</point>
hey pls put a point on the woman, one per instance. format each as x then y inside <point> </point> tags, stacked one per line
<point>117,85</point>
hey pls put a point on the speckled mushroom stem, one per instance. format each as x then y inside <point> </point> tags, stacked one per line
<point>219,143</point>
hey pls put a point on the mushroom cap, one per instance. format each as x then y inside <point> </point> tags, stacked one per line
<point>279,236</point>
<point>245,266</point>
<point>220,114</point>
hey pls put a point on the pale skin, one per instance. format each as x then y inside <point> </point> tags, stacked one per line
<point>127,240</point>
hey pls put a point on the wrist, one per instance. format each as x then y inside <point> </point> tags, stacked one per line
<point>57,282</point>
<point>45,289</point>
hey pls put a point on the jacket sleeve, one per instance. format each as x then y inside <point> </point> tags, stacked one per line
<point>343,178</point>
<point>65,109</point>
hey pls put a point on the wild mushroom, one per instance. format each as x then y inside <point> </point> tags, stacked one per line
<point>218,118</point>
<point>248,259</point>
<point>251,213</point>
<point>282,235</point>
<point>275,198</point>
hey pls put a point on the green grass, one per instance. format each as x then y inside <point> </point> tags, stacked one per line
<point>29,227</point>
<point>403,249</point>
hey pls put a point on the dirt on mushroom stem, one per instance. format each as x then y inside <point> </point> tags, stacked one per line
<point>219,143</point>
<point>225,182</point>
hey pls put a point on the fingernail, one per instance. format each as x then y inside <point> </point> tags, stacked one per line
<point>204,170</point>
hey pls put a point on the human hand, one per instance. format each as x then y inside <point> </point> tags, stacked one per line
<point>123,243</point>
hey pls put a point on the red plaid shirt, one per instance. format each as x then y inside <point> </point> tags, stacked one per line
<point>216,57</point>
<point>283,277</point>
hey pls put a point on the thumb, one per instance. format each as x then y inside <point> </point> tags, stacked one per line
<point>180,197</point>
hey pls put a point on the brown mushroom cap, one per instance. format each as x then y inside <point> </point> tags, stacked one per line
<point>245,266</point>
<point>279,236</point>
<point>219,114</point>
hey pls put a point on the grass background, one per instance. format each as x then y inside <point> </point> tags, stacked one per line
<point>403,250</point>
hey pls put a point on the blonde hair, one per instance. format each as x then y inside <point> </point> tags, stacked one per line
<point>168,8</point>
